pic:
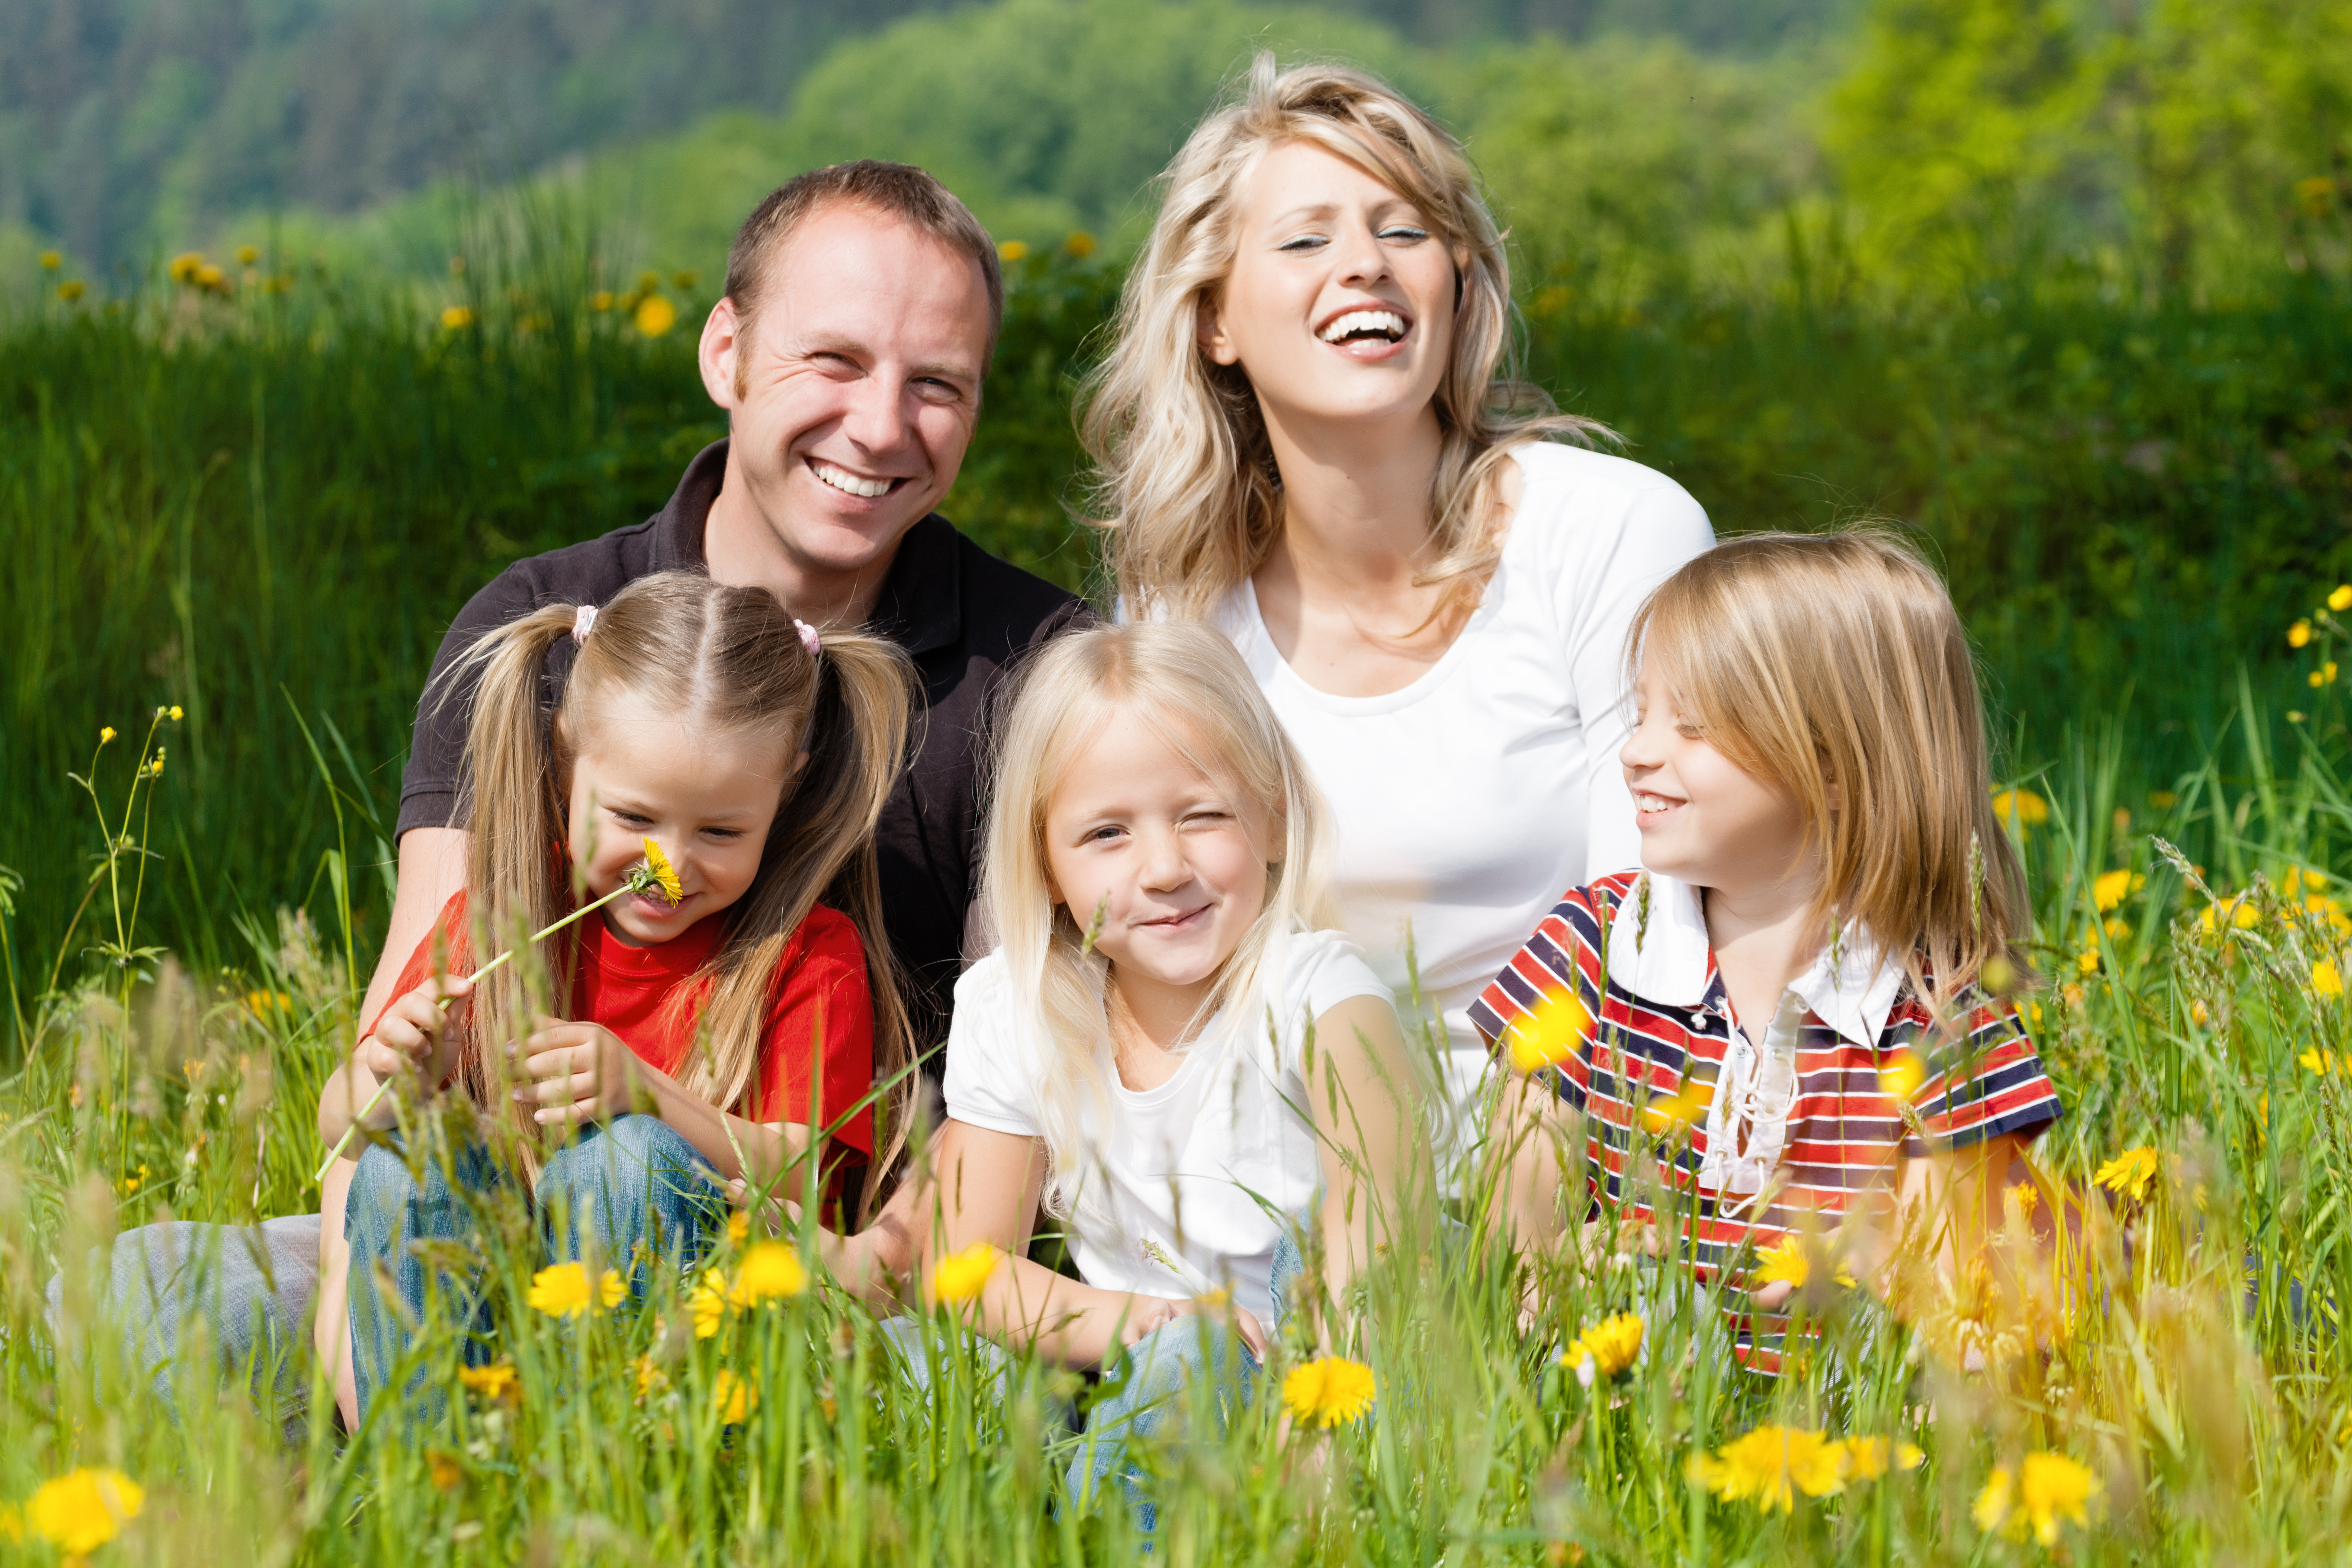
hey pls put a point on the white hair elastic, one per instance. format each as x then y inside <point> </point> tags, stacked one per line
<point>583,620</point>
<point>808,635</point>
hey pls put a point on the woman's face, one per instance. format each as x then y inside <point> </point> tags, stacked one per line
<point>1339,307</point>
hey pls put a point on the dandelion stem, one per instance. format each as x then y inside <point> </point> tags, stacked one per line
<point>641,878</point>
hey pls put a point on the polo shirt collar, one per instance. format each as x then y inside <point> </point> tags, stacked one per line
<point>921,606</point>
<point>1668,959</point>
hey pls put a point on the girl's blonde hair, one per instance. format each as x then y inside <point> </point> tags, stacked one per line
<point>1185,476</point>
<point>725,658</point>
<point>1835,666</point>
<point>1187,682</point>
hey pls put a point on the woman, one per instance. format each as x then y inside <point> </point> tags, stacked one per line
<point>1305,433</point>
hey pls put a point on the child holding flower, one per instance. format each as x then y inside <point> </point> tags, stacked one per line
<point>1807,972</point>
<point>723,1016</point>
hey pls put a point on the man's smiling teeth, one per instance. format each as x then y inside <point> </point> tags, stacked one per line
<point>1387,323</point>
<point>843,480</point>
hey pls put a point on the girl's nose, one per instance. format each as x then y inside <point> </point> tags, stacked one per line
<point>1163,865</point>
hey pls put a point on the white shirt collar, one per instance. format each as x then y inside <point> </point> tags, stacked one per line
<point>1667,959</point>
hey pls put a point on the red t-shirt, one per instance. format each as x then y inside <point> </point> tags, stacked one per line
<point>820,1012</point>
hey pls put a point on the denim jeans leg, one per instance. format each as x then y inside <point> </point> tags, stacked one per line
<point>389,1207</point>
<point>248,1287</point>
<point>1154,1386</point>
<point>637,1192</point>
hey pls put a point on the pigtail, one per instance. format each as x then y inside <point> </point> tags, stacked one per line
<point>514,815</point>
<point>821,851</point>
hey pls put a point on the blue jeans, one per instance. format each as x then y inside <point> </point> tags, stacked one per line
<point>246,1288</point>
<point>632,1191</point>
<point>1151,1386</point>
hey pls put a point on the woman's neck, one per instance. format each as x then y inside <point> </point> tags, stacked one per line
<point>1356,501</point>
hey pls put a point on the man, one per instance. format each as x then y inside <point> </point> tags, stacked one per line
<point>862,305</point>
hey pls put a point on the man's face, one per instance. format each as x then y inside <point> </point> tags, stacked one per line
<point>854,398</point>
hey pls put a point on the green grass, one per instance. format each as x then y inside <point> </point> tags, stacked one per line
<point>265,514</point>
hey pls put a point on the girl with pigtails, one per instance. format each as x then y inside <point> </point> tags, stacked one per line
<point>725,1026</point>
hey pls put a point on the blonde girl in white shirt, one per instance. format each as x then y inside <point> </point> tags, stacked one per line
<point>1135,1055</point>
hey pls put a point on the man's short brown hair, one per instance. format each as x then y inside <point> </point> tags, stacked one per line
<point>898,190</point>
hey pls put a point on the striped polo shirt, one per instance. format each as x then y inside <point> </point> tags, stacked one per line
<point>1664,1021</point>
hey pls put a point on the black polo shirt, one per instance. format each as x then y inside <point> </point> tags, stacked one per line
<point>963,615</point>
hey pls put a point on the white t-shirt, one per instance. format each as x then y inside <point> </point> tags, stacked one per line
<point>1204,1171</point>
<point>1466,803</point>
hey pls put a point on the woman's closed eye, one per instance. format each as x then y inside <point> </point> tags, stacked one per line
<point>1404,233</point>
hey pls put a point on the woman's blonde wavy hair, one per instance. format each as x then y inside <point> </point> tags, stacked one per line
<point>1185,680</point>
<point>1835,666</point>
<point>1184,477</point>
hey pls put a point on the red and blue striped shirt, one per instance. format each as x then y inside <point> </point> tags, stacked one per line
<point>1662,1021</point>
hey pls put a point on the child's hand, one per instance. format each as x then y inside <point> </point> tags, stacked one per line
<point>1148,1313</point>
<point>573,1073</point>
<point>413,1033</point>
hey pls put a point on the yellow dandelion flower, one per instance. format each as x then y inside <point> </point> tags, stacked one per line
<point>1604,1350</point>
<point>2128,1174</point>
<point>2341,599</point>
<point>960,1276</point>
<point>1080,245</point>
<point>1867,1458</point>
<point>247,254</point>
<point>1789,1262</point>
<point>1902,1075</point>
<point>601,300</point>
<point>106,734</point>
<point>563,1290</point>
<point>1685,1105</point>
<point>738,1227</point>
<point>178,712</point>
<point>2298,635</point>
<point>771,1270</point>
<point>184,267</point>
<point>733,1398</point>
<point>2019,808</point>
<point>499,1380</point>
<point>71,289</point>
<point>457,318</point>
<point>2326,981</point>
<point>651,1378</point>
<point>1547,1033</point>
<point>2109,890</point>
<point>2047,1489</point>
<point>709,1304</point>
<point>447,1473</point>
<point>83,1510</point>
<point>1328,1390</point>
<point>2240,912</point>
<point>1771,1465</point>
<point>664,874</point>
<point>2319,1061</point>
<point>655,315</point>
<point>212,278</point>
<point>51,261</point>
<point>1012,250</point>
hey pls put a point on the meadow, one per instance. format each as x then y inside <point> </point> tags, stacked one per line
<point>238,517</point>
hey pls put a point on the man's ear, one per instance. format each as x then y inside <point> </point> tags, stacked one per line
<point>1209,326</point>
<point>718,355</point>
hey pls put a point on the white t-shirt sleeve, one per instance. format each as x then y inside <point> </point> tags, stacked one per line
<point>1325,969</point>
<point>1661,528</point>
<point>990,1077</point>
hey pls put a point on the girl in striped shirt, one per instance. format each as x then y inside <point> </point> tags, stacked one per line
<point>1807,971</point>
